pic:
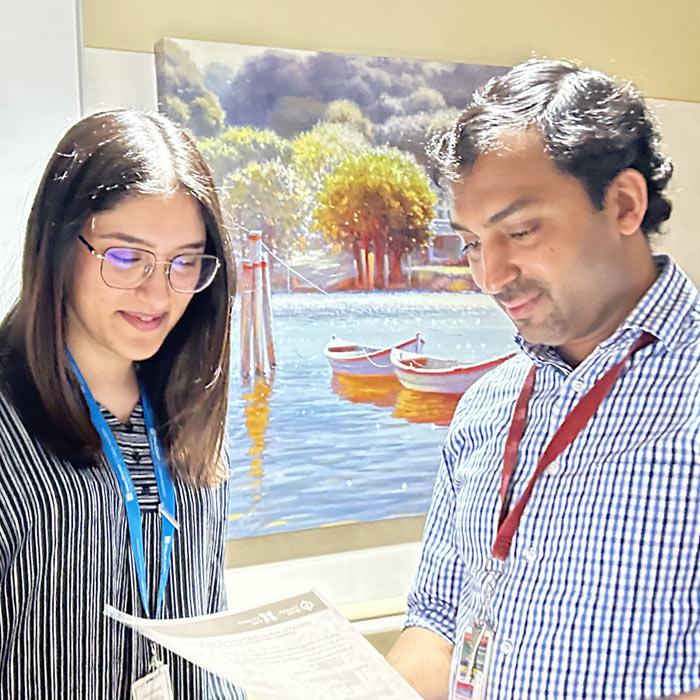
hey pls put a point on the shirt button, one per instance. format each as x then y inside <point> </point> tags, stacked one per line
<point>529,555</point>
<point>553,468</point>
<point>578,385</point>
<point>507,647</point>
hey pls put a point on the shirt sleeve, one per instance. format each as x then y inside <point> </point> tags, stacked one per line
<point>433,598</point>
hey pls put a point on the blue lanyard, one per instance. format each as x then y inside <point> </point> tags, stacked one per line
<point>166,491</point>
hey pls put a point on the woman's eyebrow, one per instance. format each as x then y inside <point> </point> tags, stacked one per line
<point>195,244</point>
<point>141,242</point>
<point>126,238</point>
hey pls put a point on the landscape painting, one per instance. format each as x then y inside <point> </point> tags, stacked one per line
<point>358,326</point>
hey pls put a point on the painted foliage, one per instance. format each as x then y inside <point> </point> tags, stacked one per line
<point>324,155</point>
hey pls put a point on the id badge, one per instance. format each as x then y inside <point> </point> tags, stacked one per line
<point>154,686</point>
<point>474,663</point>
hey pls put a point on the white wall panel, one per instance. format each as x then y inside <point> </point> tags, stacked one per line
<point>39,99</point>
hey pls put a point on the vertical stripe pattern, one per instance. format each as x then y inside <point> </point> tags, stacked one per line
<point>600,595</point>
<point>65,554</point>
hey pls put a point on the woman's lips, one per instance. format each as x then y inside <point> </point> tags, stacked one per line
<point>143,322</point>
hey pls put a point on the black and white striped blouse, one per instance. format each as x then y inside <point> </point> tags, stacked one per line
<point>65,553</point>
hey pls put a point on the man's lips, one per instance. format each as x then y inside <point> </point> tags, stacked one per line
<point>143,322</point>
<point>521,308</point>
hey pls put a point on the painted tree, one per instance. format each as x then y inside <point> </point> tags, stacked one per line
<point>381,201</point>
<point>184,96</point>
<point>412,132</point>
<point>206,116</point>
<point>238,146</point>
<point>318,152</point>
<point>347,112</point>
<point>292,115</point>
<point>268,196</point>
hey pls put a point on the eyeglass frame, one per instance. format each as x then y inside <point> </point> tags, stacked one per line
<point>166,263</point>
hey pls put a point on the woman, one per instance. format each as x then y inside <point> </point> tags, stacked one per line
<point>122,325</point>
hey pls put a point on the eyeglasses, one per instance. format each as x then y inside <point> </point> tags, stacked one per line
<point>129,268</point>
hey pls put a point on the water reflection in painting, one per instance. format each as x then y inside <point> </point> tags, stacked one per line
<point>378,391</point>
<point>387,392</point>
<point>313,448</point>
<point>420,407</point>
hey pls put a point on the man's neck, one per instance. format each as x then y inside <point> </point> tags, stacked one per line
<point>576,351</point>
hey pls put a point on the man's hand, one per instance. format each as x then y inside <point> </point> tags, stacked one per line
<point>423,658</point>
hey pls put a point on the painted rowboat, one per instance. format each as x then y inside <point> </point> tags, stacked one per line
<point>436,375</point>
<point>357,360</point>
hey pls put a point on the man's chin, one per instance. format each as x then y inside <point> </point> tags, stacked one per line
<point>536,335</point>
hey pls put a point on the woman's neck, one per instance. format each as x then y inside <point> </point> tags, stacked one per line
<point>112,380</point>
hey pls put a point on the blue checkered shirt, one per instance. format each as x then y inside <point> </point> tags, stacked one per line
<point>600,594</point>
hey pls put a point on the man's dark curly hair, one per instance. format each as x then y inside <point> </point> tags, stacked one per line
<point>591,127</point>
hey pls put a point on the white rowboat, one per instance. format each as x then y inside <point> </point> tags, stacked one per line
<point>436,375</point>
<point>357,360</point>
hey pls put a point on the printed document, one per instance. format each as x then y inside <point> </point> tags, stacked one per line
<point>300,648</point>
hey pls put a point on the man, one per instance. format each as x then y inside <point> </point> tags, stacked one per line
<point>578,575</point>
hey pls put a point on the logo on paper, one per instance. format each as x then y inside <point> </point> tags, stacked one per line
<point>268,616</point>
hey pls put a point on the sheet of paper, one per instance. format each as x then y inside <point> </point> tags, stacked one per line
<point>299,648</point>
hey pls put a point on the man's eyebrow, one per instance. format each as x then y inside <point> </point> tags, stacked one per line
<point>517,205</point>
<point>458,227</point>
<point>512,208</point>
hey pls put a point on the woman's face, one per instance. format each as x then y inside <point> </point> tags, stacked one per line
<point>128,325</point>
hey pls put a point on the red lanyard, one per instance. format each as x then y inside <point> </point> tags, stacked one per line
<point>574,423</point>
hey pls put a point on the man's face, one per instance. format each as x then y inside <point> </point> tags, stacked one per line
<point>538,245</point>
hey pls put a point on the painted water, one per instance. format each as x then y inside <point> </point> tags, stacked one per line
<point>311,450</point>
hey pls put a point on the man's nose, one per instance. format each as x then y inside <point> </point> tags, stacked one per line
<point>496,268</point>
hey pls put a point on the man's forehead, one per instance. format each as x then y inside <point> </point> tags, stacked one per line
<point>502,183</point>
<point>511,152</point>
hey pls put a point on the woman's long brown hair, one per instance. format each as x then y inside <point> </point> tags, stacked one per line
<point>102,160</point>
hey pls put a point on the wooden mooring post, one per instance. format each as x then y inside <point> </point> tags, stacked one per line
<point>257,346</point>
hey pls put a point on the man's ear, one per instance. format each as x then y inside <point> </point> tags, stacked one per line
<point>626,200</point>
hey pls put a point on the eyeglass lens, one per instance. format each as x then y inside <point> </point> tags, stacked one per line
<point>127,268</point>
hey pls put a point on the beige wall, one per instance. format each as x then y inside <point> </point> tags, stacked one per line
<point>654,44</point>
<point>680,127</point>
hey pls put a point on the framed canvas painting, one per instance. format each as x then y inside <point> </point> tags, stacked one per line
<point>321,163</point>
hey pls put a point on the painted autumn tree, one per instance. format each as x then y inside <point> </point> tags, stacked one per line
<point>377,201</point>
<point>318,152</point>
